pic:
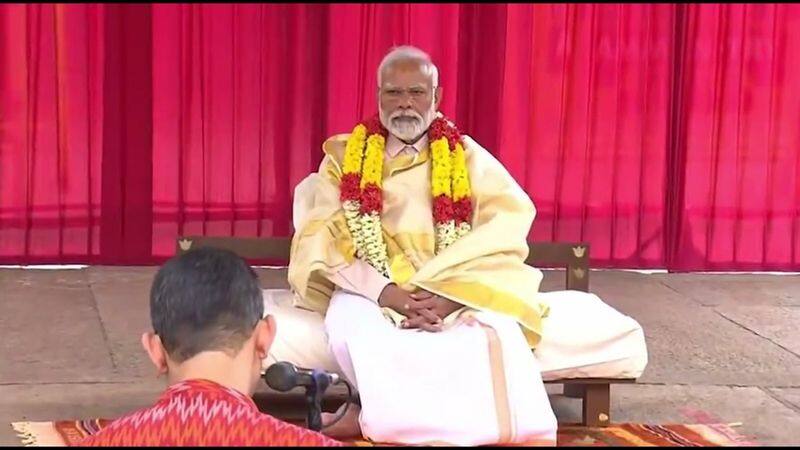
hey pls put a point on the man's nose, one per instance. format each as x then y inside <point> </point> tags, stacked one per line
<point>406,100</point>
<point>403,107</point>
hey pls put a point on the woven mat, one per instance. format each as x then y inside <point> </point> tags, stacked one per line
<point>67,432</point>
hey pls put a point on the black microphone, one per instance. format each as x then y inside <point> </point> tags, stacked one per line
<point>285,376</point>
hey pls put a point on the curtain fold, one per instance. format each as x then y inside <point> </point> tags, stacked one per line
<point>51,132</point>
<point>737,140</point>
<point>664,135</point>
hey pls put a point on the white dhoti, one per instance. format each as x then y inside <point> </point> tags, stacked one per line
<point>471,384</point>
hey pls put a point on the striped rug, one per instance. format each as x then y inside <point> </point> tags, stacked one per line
<point>67,432</point>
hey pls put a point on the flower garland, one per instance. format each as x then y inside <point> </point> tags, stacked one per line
<point>362,194</point>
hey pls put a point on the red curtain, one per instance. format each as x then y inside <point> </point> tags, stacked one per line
<point>664,135</point>
<point>735,184</point>
<point>52,62</point>
<point>584,124</point>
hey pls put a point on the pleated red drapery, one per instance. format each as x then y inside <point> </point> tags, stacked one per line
<point>664,135</point>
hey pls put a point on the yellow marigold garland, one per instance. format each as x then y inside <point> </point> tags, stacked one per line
<point>440,168</point>
<point>361,192</point>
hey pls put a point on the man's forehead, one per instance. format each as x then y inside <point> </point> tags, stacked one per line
<point>412,70</point>
<point>389,85</point>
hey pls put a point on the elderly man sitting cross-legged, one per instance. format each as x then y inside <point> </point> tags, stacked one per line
<point>209,340</point>
<point>411,241</point>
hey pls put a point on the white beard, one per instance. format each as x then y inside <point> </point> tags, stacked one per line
<point>408,125</point>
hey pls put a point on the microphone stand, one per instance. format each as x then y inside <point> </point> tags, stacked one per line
<point>314,400</point>
<point>314,393</point>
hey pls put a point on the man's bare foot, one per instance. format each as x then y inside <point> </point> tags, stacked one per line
<point>348,427</point>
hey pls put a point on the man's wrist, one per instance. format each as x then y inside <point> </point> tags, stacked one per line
<point>385,293</point>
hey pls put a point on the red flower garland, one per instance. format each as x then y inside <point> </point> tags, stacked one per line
<point>371,196</point>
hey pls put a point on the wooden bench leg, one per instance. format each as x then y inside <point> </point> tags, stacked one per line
<point>574,390</point>
<point>596,405</point>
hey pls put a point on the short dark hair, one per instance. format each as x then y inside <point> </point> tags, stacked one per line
<point>205,299</point>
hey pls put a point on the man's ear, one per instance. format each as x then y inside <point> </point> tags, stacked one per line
<point>437,97</point>
<point>155,350</point>
<point>265,335</point>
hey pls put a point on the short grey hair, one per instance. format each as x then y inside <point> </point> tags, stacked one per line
<point>405,53</point>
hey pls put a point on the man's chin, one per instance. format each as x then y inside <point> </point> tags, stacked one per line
<point>408,136</point>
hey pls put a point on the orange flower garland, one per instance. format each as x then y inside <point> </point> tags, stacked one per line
<point>361,192</point>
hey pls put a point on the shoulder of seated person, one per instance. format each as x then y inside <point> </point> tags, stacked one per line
<point>335,146</point>
<point>471,146</point>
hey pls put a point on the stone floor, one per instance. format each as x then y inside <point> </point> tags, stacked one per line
<point>721,348</point>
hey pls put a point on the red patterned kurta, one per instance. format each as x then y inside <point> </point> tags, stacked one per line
<point>204,413</point>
